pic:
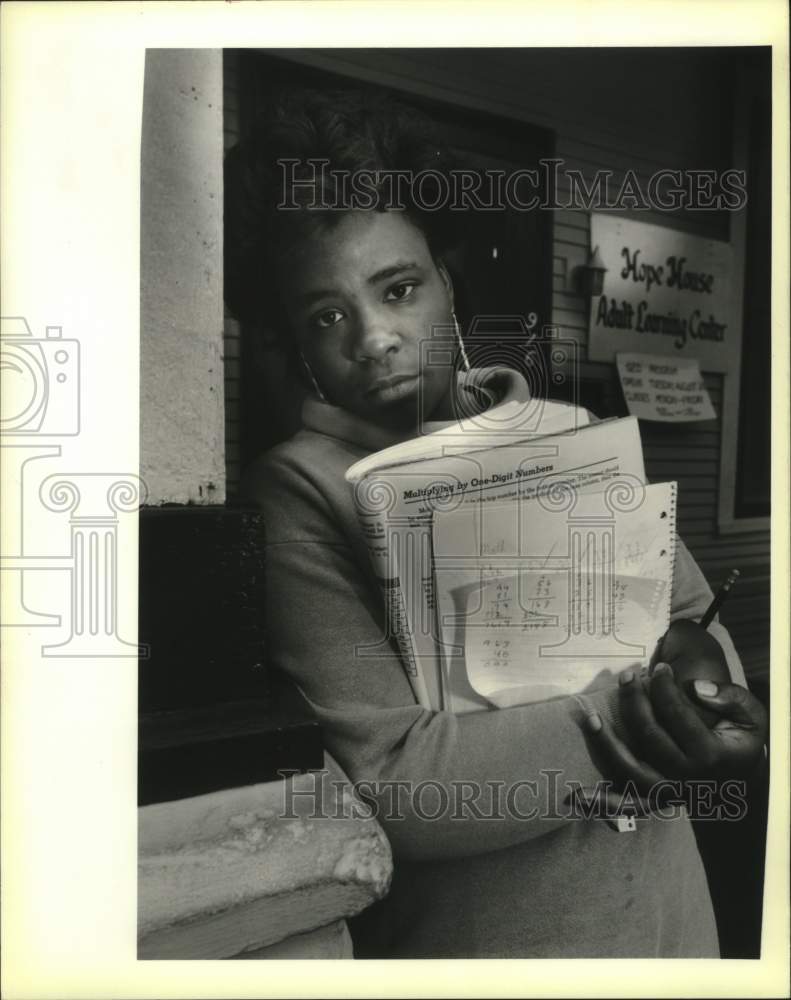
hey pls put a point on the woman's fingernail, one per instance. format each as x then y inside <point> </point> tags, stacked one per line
<point>707,689</point>
<point>663,668</point>
<point>626,678</point>
<point>594,722</point>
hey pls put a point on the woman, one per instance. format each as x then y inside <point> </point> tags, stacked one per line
<point>353,292</point>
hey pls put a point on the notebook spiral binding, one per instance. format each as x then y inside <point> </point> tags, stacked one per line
<point>671,516</point>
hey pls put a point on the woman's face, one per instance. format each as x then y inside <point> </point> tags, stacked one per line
<point>361,296</point>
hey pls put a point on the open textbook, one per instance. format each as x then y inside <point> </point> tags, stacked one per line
<point>405,493</point>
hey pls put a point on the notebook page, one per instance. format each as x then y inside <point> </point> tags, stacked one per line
<point>536,603</point>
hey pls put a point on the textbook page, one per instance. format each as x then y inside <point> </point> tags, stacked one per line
<point>537,601</point>
<point>508,421</point>
<point>396,506</point>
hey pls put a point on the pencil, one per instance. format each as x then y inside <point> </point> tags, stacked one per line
<point>719,597</point>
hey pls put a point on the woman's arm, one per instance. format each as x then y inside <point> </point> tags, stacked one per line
<point>325,629</point>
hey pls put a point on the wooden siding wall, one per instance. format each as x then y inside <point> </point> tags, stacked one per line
<point>626,110</point>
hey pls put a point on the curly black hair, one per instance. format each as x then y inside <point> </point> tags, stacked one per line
<point>353,132</point>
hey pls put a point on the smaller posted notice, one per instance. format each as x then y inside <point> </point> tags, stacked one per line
<point>660,388</point>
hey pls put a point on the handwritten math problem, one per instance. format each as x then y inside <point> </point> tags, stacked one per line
<point>539,601</point>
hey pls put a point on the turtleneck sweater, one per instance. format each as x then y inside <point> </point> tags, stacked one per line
<point>489,860</point>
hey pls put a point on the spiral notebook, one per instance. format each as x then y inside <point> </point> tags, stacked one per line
<point>552,596</point>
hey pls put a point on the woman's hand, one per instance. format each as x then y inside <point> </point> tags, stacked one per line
<point>694,654</point>
<point>669,739</point>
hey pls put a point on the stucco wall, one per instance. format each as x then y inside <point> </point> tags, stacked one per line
<point>181,317</point>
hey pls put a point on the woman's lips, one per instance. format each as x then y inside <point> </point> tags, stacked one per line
<point>393,387</point>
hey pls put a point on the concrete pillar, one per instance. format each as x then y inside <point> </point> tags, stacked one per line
<point>182,448</point>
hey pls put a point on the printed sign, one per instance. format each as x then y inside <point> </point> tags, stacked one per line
<point>658,388</point>
<point>665,292</point>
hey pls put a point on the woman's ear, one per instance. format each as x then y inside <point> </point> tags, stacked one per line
<point>447,279</point>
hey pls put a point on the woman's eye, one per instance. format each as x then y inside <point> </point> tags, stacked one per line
<point>400,291</point>
<point>328,318</point>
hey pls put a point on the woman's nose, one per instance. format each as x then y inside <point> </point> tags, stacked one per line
<point>376,337</point>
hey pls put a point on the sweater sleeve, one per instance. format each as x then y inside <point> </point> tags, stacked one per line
<point>325,629</point>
